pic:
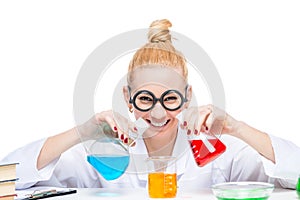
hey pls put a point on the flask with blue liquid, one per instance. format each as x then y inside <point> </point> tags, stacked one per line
<point>108,154</point>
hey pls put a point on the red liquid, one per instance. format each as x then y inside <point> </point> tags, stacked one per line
<point>201,153</point>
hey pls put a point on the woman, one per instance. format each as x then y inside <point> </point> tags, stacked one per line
<point>158,92</point>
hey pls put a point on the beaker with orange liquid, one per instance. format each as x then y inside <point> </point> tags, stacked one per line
<point>162,177</point>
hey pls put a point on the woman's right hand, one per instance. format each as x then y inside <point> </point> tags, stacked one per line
<point>107,122</point>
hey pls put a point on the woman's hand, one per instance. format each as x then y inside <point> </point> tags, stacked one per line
<point>107,122</point>
<point>212,120</point>
<point>208,119</point>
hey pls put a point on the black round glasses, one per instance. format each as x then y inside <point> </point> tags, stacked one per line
<point>145,100</point>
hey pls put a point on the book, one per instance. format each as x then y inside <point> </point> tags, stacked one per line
<point>7,187</point>
<point>7,181</point>
<point>8,171</point>
<point>8,197</point>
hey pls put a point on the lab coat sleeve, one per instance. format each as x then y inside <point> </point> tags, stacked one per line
<point>286,168</point>
<point>241,162</point>
<point>27,172</point>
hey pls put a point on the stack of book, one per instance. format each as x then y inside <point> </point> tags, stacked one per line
<point>7,181</point>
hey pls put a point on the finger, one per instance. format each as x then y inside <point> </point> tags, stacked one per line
<point>106,117</point>
<point>132,127</point>
<point>209,121</point>
<point>122,124</point>
<point>133,133</point>
<point>183,125</point>
<point>125,127</point>
<point>201,120</point>
<point>203,129</point>
<point>187,119</point>
<point>180,118</point>
<point>131,137</point>
<point>113,127</point>
<point>191,123</point>
<point>117,130</point>
<point>127,140</point>
<point>123,132</point>
<point>99,118</point>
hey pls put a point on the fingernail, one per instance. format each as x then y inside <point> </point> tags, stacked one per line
<point>188,131</point>
<point>122,137</point>
<point>184,123</point>
<point>135,128</point>
<point>196,132</point>
<point>115,128</point>
<point>126,140</point>
<point>206,128</point>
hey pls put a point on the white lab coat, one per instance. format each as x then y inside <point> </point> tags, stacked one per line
<point>239,163</point>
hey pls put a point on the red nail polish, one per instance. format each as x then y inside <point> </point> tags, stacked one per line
<point>196,132</point>
<point>188,131</point>
<point>184,123</point>
<point>135,128</point>
<point>122,137</point>
<point>126,140</point>
<point>206,128</point>
<point>115,128</point>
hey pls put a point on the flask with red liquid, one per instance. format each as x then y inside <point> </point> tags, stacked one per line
<point>206,147</point>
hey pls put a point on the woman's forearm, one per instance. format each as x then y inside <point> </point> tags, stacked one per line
<point>55,145</point>
<point>258,140</point>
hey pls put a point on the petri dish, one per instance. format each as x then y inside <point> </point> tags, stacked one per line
<point>243,190</point>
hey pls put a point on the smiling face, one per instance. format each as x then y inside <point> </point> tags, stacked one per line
<point>159,119</point>
<point>150,83</point>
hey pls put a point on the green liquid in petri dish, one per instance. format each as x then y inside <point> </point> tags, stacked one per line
<point>259,198</point>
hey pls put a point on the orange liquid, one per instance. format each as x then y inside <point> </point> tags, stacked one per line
<point>162,185</point>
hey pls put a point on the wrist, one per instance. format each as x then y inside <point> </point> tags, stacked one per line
<point>73,136</point>
<point>238,129</point>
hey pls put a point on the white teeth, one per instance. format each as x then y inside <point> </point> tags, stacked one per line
<point>159,124</point>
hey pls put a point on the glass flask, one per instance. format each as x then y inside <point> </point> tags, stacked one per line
<point>108,154</point>
<point>205,147</point>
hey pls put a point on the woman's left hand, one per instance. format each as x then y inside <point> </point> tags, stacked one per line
<point>208,119</point>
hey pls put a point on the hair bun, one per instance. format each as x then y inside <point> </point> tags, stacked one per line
<point>159,31</point>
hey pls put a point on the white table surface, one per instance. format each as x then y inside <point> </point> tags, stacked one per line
<point>130,194</point>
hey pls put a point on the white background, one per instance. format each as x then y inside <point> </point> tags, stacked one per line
<point>255,46</point>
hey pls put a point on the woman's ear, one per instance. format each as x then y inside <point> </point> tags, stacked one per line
<point>189,94</point>
<point>126,95</point>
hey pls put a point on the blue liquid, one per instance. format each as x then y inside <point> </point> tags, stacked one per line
<point>109,166</point>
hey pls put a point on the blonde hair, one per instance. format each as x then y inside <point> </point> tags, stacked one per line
<point>159,50</point>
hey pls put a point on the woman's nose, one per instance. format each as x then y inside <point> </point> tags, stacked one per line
<point>158,112</point>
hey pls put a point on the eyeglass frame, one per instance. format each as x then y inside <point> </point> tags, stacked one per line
<point>155,100</point>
